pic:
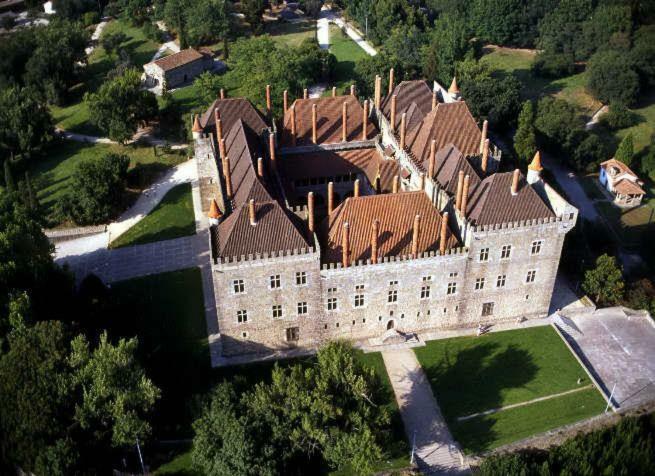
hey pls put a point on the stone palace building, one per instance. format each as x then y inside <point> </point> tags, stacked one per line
<point>369,220</point>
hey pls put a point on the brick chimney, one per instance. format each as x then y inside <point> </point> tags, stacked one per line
<point>393,113</point>
<point>305,93</point>
<point>222,93</point>
<point>251,212</point>
<point>293,125</point>
<point>344,122</point>
<point>434,99</point>
<point>443,237</point>
<point>374,241</point>
<point>390,80</point>
<point>260,167</point>
<point>460,186</point>
<point>378,91</point>
<point>394,186</point>
<point>515,181</point>
<point>432,159</point>
<point>365,121</point>
<point>227,173</point>
<point>285,100</point>
<point>334,91</point>
<point>310,211</point>
<point>352,89</point>
<point>314,136</point>
<point>345,245</point>
<point>268,99</point>
<point>221,148</point>
<point>403,127</point>
<point>271,150</point>
<point>485,127</point>
<point>416,235</point>
<point>356,188</point>
<point>465,196</point>
<point>485,156</point>
<point>330,197</point>
<point>421,181</point>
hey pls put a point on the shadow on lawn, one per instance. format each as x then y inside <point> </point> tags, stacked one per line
<point>473,380</point>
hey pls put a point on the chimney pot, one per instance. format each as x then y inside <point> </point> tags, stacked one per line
<point>285,100</point>
<point>293,126</point>
<point>221,148</point>
<point>394,187</point>
<point>485,156</point>
<point>434,99</point>
<point>356,188</point>
<point>310,210</point>
<point>344,122</point>
<point>378,91</point>
<point>271,150</point>
<point>268,98</point>
<point>260,167</point>
<point>460,185</point>
<point>334,91</point>
<point>485,127</point>
<point>403,126</point>
<point>222,93</point>
<point>443,238</point>
<point>422,181</point>
<point>390,80</point>
<point>345,245</point>
<point>374,241</point>
<point>416,235</point>
<point>393,113</point>
<point>330,197</point>
<point>515,182</point>
<point>352,89</point>
<point>305,94</point>
<point>251,212</point>
<point>365,121</point>
<point>465,196</point>
<point>431,163</point>
<point>227,173</point>
<point>314,113</point>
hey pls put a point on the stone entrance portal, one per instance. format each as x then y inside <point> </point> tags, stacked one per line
<point>391,324</point>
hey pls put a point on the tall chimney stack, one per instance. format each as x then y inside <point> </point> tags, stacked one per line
<point>271,150</point>
<point>293,125</point>
<point>334,91</point>
<point>365,121</point>
<point>485,156</point>
<point>227,173</point>
<point>415,235</point>
<point>374,241</point>
<point>285,100</point>
<point>460,186</point>
<point>515,182</point>
<point>330,197</point>
<point>310,211</point>
<point>345,245</point>
<point>434,99</point>
<point>305,93</point>
<point>393,113</point>
<point>485,127</point>
<point>268,98</point>
<point>443,238</point>
<point>251,212</point>
<point>390,80</point>
<point>221,148</point>
<point>432,159</point>
<point>394,186</point>
<point>356,188</point>
<point>344,122</point>
<point>378,91</point>
<point>403,127</point>
<point>421,182</point>
<point>465,196</point>
<point>260,167</point>
<point>314,136</point>
<point>352,89</point>
<point>222,93</point>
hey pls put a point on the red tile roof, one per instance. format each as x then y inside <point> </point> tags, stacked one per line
<point>231,109</point>
<point>328,123</point>
<point>448,162</point>
<point>326,163</point>
<point>412,97</point>
<point>184,57</point>
<point>395,213</point>
<point>628,187</point>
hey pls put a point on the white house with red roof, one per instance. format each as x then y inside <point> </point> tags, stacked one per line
<point>622,183</point>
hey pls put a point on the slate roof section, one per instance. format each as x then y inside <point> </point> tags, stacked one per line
<point>448,123</point>
<point>396,214</point>
<point>326,163</point>
<point>412,97</point>
<point>231,109</point>
<point>386,169</point>
<point>328,122</point>
<point>492,201</point>
<point>447,164</point>
<point>177,60</point>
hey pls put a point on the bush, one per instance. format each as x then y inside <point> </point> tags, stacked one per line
<point>553,65</point>
<point>619,117</point>
<point>7,22</point>
<point>152,32</point>
<point>90,18</point>
<point>648,163</point>
<point>590,153</point>
<point>612,77</point>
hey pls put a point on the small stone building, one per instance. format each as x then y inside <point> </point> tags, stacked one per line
<point>622,183</point>
<point>177,69</point>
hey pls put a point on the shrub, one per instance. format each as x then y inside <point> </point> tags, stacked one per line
<point>152,32</point>
<point>612,77</point>
<point>553,65</point>
<point>619,117</point>
<point>7,22</point>
<point>590,153</point>
<point>648,163</point>
<point>90,18</point>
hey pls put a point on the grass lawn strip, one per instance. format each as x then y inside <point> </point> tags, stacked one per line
<point>173,217</point>
<point>347,53</point>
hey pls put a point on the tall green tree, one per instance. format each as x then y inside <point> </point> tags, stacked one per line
<point>605,281</point>
<point>611,77</point>
<point>208,21</point>
<point>26,125</point>
<point>447,44</point>
<point>525,140</point>
<point>560,31</point>
<point>253,11</point>
<point>120,105</point>
<point>625,152</point>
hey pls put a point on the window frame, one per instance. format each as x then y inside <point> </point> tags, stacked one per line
<point>301,278</point>
<point>275,281</point>
<point>451,288</point>
<point>479,283</point>
<point>238,286</point>
<point>506,252</point>
<point>275,309</point>
<point>487,309</point>
<point>536,244</point>
<point>531,276</point>
<point>483,255</point>
<point>501,280</point>
<point>242,316</point>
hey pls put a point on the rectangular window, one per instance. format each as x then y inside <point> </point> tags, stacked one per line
<point>506,252</point>
<point>238,286</point>
<point>393,283</point>
<point>453,274</point>
<point>500,282</point>
<point>425,291</point>
<point>536,247</point>
<point>277,311</point>
<point>293,334</point>
<point>242,316</point>
<point>332,290</point>
<point>302,308</point>
<point>479,284</point>
<point>275,281</point>
<point>301,278</point>
<point>484,254</point>
<point>487,309</point>
<point>531,276</point>
<point>392,296</point>
<point>452,288</point>
<point>359,300</point>
<point>332,304</point>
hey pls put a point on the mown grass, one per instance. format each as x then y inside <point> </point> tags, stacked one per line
<point>172,218</point>
<point>644,130</point>
<point>347,53</point>
<point>290,34</point>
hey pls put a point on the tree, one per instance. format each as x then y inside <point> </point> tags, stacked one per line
<point>556,122</point>
<point>135,11</point>
<point>111,42</point>
<point>253,11</point>
<point>619,117</point>
<point>175,17</point>
<point>625,152</point>
<point>120,105</point>
<point>97,190</point>
<point>648,162</point>
<point>553,65</point>
<point>612,79</point>
<point>608,25</point>
<point>26,125</point>
<point>642,55</point>
<point>605,281</point>
<point>590,153</point>
<point>208,21</point>
<point>8,176</point>
<point>367,68</point>
<point>448,43</point>
<point>560,31</point>
<point>208,86</point>
<point>525,141</point>
<point>73,9</point>
<point>403,50</point>
<point>499,100</point>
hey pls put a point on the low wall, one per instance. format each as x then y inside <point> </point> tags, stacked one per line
<point>66,234</point>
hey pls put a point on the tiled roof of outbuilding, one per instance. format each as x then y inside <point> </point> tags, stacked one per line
<point>176,60</point>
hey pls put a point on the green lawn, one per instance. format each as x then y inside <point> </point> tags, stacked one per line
<point>74,116</point>
<point>290,34</point>
<point>347,52</point>
<point>52,174</point>
<point>645,128</point>
<point>474,374</point>
<point>172,218</point>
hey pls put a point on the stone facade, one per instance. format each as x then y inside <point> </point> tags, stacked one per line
<point>158,75</point>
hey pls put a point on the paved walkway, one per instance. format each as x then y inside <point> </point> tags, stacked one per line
<point>327,16</point>
<point>436,451</point>
<point>106,140</point>
<point>96,35</point>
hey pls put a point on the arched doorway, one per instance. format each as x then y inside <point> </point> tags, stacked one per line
<point>391,324</point>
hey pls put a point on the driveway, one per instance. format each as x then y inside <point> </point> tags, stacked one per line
<point>617,346</point>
